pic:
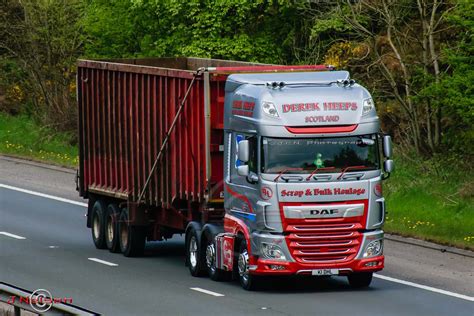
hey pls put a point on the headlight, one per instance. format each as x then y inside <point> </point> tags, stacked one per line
<point>270,109</point>
<point>272,251</point>
<point>374,248</point>
<point>367,106</point>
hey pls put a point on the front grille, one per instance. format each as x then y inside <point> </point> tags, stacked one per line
<point>323,242</point>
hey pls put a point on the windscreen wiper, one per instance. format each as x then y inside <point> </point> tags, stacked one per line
<point>285,170</point>
<point>317,170</point>
<point>350,168</point>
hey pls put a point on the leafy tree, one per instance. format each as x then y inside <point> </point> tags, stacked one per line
<point>42,37</point>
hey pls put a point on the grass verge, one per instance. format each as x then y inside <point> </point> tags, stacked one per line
<point>20,136</point>
<point>432,200</point>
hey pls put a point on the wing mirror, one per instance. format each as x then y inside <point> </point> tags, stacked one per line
<point>387,146</point>
<point>243,170</point>
<point>388,167</point>
<point>243,151</point>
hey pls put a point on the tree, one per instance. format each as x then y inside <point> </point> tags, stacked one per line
<point>43,37</point>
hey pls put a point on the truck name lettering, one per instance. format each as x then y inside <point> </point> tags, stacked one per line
<point>326,191</point>
<point>317,119</point>
<point>300,107</point>
<point>243,108</point>
<point>311,107</point>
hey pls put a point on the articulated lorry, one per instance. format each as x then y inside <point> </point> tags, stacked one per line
<point>267,170</point>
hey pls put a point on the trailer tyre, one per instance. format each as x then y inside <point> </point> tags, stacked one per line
<point>194,257</point>
<point>98,224</point>
<point>360,280</point>
<point>248,281</point>
<point>210,256</point>
<point>131,238</point>
<point>111,228</point>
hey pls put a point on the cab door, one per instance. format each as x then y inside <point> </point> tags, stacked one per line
<point>241,193</point>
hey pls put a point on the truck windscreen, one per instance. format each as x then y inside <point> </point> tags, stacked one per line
<point>304,155</point>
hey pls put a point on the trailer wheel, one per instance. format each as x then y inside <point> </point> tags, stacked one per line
<point>111,228</point>
<point>131,238</point>
<point>98,224</point>
<point>360,280</point>
<point>248,281</point>
<point>214,273</point>
<point>193,253</point>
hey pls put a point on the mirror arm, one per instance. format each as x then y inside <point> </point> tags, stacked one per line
<point>385,176</point>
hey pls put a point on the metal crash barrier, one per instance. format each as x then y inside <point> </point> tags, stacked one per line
<point>26,302</point>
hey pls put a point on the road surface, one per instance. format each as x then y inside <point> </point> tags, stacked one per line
<point>44,244</point>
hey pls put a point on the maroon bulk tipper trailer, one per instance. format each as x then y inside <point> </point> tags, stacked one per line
<point>159,145</point>
<point>126,109</point>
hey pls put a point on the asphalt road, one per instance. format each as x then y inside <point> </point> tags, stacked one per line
<point>55,255</point>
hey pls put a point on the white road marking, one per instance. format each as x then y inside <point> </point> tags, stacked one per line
<point>198,289</point>
<point>425,287</point>
<point>107,263</point>
<point>12,235</point>
<point>47,196</point>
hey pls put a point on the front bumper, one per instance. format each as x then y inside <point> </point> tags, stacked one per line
<point>260,266</point>
<point>357,262</point>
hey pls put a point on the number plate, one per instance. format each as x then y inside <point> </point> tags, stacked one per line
<point>321,272</point>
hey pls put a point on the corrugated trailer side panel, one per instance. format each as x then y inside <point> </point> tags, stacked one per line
<point>124,114</point>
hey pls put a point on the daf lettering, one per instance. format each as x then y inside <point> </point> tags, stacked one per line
<point>324,212</point>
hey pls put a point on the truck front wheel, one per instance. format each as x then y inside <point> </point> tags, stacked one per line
<point>98,224</point>
<point>248,281</point>
<point>360,279</point>
<point>132,238</point>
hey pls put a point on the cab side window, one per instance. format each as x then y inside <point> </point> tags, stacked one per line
<point>253,153</point>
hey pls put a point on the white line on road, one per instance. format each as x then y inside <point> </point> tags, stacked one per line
<point>12,235</point>
<point>425,287</point>
<point>198,289</point>
<point>52,197</point>
<point>107,263</point>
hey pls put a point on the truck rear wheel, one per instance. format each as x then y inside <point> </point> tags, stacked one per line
<point>111,228</point>
<point>194,255</point>
<point>248,281</point>
<point>360,279</point>
<point>98,224</point>
<point>131,238</point>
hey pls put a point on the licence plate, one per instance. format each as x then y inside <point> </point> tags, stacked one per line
<point>321,272</point>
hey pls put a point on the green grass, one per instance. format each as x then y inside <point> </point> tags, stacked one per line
<point>20,136</point>
<point>432,200</point>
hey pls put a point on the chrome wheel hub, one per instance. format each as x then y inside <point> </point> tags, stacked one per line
<point>211,257</point>
<point>110,228</point>
<point>243,265</point>
<point>96,227</point>
<point>124,235</point>
<point>193,251</point>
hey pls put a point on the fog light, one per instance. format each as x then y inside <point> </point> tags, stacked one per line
<point>276,267</point>
<point>372,264</point>
<point>272,251</point>
<point>374,248</point>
